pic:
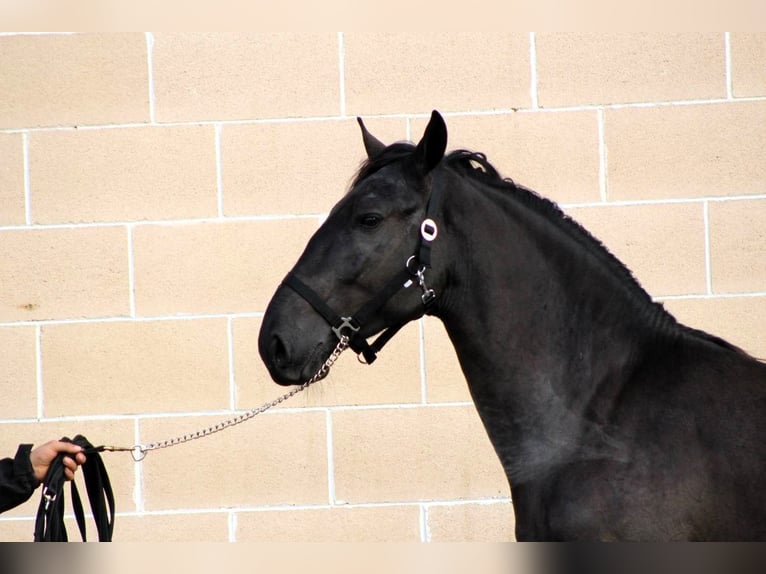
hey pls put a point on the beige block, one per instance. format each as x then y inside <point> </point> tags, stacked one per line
<point>338,524</point>
<point>738,246</point>
<point>18,530</point>
<point>215,267</point>
<point>12,210</point>
<point>597,68</point>
<point>394,378</point>
<point>686,151</point>
<point>241,76</point>
<point>663,245</point>
<point>163,528</point>
<point>554,153</point>
<point>295,167</point>
<point>120,466</point>
<point>18,373</point>
<point>494,522</point>
<point>449,72</point>
<point>444,377</point>
<point>80,79</point>
<point>739,320</point>
<point>277,458</point>
<point>441,453</point>
<point>748,73</point>
<point>135,367</point>
<point>123,174</point>
<point>22,529</point>
<point>64,273</point>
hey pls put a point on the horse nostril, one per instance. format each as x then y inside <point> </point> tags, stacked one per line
<point>279,352</point>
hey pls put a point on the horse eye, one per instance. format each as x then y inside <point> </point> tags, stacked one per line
<point>370,220</point>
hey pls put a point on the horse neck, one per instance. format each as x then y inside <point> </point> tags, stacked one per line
<point>540,328</point>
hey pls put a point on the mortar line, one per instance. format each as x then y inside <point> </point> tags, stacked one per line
<point>338,118</point>
<point>233,523</point>
<point>38,33</point>
<point>425,531</point>
<point>423,372</point>
<point>39,372</point>
<point>319,216</point>
<point>352,505</point>
<point>602,157</point>
<point>150,66</point>
<point>137,319</point>
<point>219,169</point>
<point>727,57</point>
<point>533,91</point>
<point>232,379</point>
<point>167,222</point>
<point>138,472</point>
<point>702,296</point>
<point>227,413</point>
<point>131,273</point>
<point>259,314</point>
<point>342,72</point>
<point>330,460</point>
<point>27,178</point>
<point>708,267</point>
<point>668,201</point>
<point>427,504</point>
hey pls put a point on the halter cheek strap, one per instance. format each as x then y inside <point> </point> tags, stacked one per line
<point>414,269</point>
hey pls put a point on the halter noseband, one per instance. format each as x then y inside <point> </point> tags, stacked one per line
<point>414,269</point>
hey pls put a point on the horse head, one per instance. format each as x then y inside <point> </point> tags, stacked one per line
<point>367,268</point>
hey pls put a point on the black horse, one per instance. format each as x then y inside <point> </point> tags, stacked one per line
<point>612,420</point>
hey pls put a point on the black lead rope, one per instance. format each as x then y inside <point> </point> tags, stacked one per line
<point>49,526</point>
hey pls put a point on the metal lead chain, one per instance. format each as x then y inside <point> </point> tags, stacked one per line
<point>140,451</point>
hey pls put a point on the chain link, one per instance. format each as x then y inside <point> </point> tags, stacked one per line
<point>140,451</point>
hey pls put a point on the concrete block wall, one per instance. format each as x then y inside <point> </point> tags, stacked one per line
<point>154,189</point>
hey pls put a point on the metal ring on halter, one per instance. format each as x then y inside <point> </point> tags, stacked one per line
<point>429,230</point>
<point>414,271</point>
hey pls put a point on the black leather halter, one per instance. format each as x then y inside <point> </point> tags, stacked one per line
<point>413,270</point>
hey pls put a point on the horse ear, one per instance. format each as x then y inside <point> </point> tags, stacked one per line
<point>431,147</point>
<point>372,145</point>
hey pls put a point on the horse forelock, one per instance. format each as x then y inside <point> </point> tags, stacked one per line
<point>394,153</point>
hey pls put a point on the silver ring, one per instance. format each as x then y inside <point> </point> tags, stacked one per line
<point>429,230</point>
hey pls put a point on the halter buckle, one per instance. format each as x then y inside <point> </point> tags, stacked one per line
<point>349,322</point>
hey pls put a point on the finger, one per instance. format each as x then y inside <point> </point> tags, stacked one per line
<point>61,446</point>
<point>68,474</point>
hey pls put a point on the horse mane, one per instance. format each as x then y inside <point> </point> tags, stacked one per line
<point>474,165</point>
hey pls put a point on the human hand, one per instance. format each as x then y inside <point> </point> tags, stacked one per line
<point>42,457</point>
